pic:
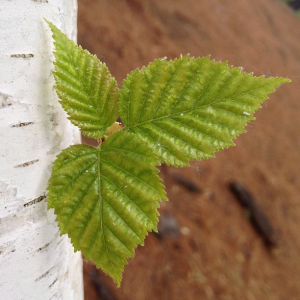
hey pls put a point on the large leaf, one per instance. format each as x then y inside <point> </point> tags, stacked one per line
<point>88,92</point>
<point>189,108</point>
<point>106,198</point>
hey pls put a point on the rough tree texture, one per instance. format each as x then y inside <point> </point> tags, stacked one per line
<point>35,262</point>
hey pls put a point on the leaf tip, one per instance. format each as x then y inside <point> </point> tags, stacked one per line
<point>284,80</point>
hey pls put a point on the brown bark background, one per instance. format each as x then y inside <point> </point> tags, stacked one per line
<point>218,254</point>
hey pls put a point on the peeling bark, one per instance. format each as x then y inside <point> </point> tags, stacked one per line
<point>35,262</point>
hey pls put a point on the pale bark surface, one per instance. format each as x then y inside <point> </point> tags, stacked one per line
<point>35,262</point>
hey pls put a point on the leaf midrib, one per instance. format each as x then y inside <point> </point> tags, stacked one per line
<point>72,63</point>
<point>170,115</point>
<point>195,109</point>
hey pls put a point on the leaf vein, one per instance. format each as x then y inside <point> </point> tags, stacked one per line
<point>155,142</point>
<point>125,171</point>
<point>74,179</point>
<point>74,208</point>
<point>176,137</point>
<point>124,150</point>
<point>124,219</point>
<point>201,132</point>
<point>185,87</point>
<point>149,85</point>
<point>114,234</point>
<point>73,159</point>
<point>162,94</point>
<point>131,201</point>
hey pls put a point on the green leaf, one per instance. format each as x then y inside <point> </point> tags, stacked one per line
<point>88,92</point>
<point>106,198</point>
<point>189,108</point>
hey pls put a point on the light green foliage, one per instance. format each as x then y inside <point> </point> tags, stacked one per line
<point>106,197</point>
<point>189,108</point>
<point>88,92</point>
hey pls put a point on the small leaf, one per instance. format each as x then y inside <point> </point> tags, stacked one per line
<point>106,198</point>
<point>189,108</point>
<point>88,92</point>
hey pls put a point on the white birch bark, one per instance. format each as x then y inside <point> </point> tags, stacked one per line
<point>35,262</point>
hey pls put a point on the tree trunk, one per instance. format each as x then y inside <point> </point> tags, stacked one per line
<point>35,262</point>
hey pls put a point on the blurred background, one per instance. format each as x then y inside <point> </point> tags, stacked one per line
<point>210,246</point>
